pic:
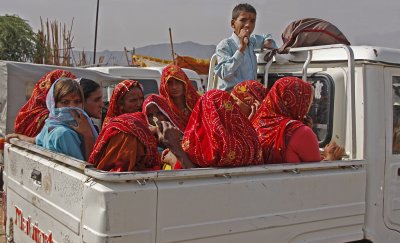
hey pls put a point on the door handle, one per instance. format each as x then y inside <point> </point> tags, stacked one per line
<point>37,176</point>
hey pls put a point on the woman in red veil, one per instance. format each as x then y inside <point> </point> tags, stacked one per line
<point>219,135</point>
<point>30,119</point>
<point>179,92</point>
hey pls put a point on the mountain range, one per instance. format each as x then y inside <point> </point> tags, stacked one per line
<point>192,49</point>
<point>162,51</point>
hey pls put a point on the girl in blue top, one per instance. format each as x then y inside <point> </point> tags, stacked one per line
<point>68,128</point>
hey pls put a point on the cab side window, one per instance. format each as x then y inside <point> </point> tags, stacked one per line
<point>396,113</point>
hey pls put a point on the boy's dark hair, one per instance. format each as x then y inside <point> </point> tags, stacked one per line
<point>242,7</point>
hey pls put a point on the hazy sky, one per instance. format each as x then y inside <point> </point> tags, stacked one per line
<point>136,23</point>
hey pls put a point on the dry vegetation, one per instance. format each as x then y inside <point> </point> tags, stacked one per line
<point>54,45</point>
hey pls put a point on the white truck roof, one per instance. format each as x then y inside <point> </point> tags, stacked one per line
<point>361,53</point>
<point>141,72</point>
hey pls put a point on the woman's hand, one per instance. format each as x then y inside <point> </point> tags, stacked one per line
<point>20,137</point>
<point>12,135</point>
<point>254,109</point>
<point>169,136</point>
<point>167,157</point>
<point>332,151</point>
<point>85,130</point>
<point>83,126</point>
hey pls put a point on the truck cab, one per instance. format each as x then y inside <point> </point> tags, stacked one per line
<point>356,104</point>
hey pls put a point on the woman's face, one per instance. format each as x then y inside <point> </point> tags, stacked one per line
<point>132,101</point>
<point>70,100</point>
<point>246,110</point>
<point>176,88</point>
<point>94,104</point>
<point>153,111</point>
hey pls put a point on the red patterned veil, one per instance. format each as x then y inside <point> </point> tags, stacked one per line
<point>219,135</point>
<point>31,117</point>
<point>282,112</point>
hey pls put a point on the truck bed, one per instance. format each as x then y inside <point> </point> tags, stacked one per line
<point>74,202</point>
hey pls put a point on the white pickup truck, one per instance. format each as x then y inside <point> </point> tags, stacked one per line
<point>55,198</point>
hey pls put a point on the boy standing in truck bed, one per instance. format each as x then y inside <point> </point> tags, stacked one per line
<point>236,58</point>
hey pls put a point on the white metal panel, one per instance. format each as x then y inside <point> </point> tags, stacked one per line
<point>360,111</point>
<point>129,72</point>
<point>366,53</point>
<point>192,75</point>
<point>392,168</point>
<point>375,149</point>
<point>361,53</point>
<point>146,73</point>
<point>339,104</point>
<point>279,207</point>
<point>54,202</point>
<point>73,206</point>
<point>119,212</point>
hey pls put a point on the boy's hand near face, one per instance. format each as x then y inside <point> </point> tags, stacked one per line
<point>244,39</point>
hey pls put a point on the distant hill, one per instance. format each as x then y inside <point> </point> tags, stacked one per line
<point>187,48</point>
<point>162,51</point>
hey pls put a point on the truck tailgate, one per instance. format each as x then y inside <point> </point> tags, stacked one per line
<point>44,199</point>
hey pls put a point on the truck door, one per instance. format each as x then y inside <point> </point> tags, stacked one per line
<point>392,168</point>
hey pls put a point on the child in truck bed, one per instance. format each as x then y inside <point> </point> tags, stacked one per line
<point>236,58</point>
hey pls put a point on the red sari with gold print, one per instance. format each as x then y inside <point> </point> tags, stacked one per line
<point>31,117</point>
<point>163,106</point>
<point>134,124</point>
<point>191,94</point>
<point>249,92</point>
<point>219,135</point>
<point>282,112</point>
<point>120,90</point>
